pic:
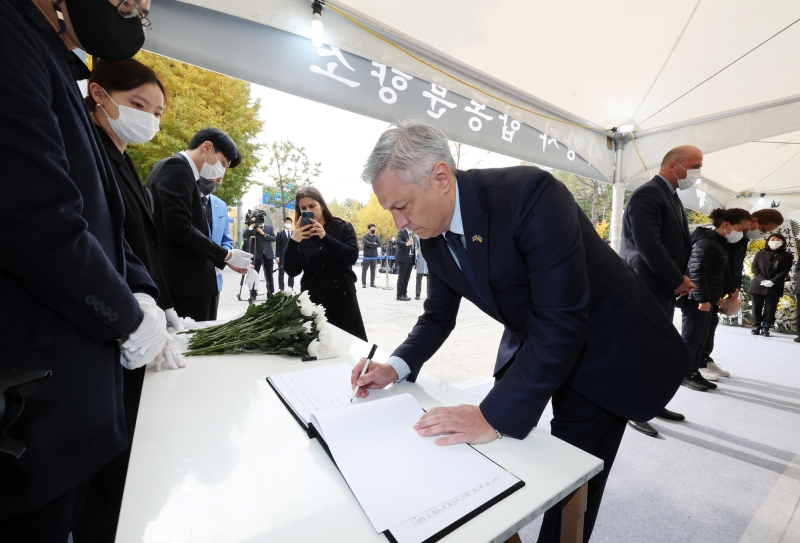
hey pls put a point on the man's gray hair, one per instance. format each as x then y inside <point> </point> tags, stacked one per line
<point>411,148</point>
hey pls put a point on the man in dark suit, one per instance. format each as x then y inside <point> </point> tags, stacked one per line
<point>370,243</point>
<point>72,423</point>
<point>281,243</point>
<point>514,242</point>
<point>264,235</point>
<point>656,241</point>
<point>404,263</point>
<point>183,218</point>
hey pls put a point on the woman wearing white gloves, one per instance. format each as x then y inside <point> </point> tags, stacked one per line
<point>771,266</point>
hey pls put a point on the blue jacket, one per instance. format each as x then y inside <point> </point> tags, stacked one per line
<point>66,289</point>
<point>591,327</point>
<point>220,228</point>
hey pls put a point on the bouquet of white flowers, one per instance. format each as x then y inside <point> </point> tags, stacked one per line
<point>284,324</point>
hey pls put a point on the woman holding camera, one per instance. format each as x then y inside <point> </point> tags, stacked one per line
<point>325,248</point>
<point>770,267</point>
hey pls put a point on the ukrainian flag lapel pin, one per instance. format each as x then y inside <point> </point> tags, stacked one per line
<point>477,238</point>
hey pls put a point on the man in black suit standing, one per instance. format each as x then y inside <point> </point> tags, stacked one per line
<point>656,242</point>
<point>183,219</point>
<point>514,242</point>
<point>370,243</point>
<point>281,242</point>
<point>264,235</point>
<point>404,262</point>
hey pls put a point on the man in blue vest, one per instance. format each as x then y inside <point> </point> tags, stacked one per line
<point>514,242</point>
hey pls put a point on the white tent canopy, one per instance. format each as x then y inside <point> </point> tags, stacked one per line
<point>718,74</point>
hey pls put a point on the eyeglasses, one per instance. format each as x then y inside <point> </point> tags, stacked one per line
<point>128,9</point>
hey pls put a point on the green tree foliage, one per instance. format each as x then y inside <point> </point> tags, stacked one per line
<point>289,169</point>
<point>593,197</point>
<point>199,99</point>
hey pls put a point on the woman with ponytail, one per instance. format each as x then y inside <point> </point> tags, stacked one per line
<point>708,269</point>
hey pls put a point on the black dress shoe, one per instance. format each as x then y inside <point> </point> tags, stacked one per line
<point>364,285</point>
<point>670,415</point>
<point>693,383</point>
<point>416,297</point>
<point>797,339</point>
<point>756,331</point>
<point>403,298</point>
<point>372,285</point>
<point>709,385</point>
<point>765,331</point>
<point>644,428</point>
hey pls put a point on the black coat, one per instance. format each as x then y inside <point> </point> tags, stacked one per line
<point>188,255</point>
<point>281,242</point>
<point>655,238</point>
<point>773,266</point>
<point>66,296</point>
<point>403,250</point>
<point>708,267</point>
<point>140,229</point>
<point>327,268</point>
<point>370,243</point>
<point>574,313</point>
<point>262,243</point>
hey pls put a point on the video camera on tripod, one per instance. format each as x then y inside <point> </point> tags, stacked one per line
<point>259,214</point>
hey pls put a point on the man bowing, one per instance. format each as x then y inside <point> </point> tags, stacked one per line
<point>514,242</point>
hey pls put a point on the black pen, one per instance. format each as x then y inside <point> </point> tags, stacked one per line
<point>364,370</point>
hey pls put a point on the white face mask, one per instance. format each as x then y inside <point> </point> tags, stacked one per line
<point>212,171</point>
<point>132,126</point>
<point>754,233</point>
<point>692,176</point>
<point>775,245</point>
<point>287,226</point>
<point>734,236</point>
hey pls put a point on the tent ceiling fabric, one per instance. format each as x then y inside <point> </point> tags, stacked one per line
<point>630,63</point>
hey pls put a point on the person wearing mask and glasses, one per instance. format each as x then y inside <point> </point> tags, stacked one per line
<point>708,270</point>
<point>761,222</point>
<point>771,266</point>
<point>183,214</point>
<point>99,309</point>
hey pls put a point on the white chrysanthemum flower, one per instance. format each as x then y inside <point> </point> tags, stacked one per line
<point>308,325</point>
<point>326,340</point>
<point>313,348</point>
<point>306,307</point>
<point>319,316</point>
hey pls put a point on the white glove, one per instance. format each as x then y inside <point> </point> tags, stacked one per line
<point>251,279</point>
<point>170,354</point>
<point>238,258</point>
<point>173,320</point>
<point>144,344</point>
<point>767,283</point>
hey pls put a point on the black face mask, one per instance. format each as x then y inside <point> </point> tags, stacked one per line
<point>372,231</point>
<point>103,32</point>
<point>206,187</point>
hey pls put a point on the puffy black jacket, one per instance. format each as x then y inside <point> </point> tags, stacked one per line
<point>708,267</point>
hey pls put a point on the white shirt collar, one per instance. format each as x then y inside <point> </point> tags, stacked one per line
<point>191,163</point>
<point>456,224</point>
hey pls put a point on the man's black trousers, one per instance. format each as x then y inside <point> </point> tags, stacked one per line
<point>594,430</point>
<point>402,278</point>
<point>371,264</point>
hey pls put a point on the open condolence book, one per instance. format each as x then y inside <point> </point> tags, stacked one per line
<point>426,491</point>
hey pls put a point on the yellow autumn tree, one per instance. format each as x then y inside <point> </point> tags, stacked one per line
<point>373,213</point>
<point>199,99</point>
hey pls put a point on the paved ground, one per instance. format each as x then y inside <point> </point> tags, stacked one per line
<point>729,473</point>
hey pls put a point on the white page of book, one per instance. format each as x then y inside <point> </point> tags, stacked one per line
<point>428,523</point>
<point>393,472</point>
<point>319,390</point>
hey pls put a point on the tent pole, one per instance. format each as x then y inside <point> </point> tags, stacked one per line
<point>617,197</point>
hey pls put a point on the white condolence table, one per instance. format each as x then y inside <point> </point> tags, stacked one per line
<point>217,458</point>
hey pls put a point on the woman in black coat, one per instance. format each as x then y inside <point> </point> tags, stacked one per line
<point>708,269</point>
<point>771,266</point>
<point>325,251</point>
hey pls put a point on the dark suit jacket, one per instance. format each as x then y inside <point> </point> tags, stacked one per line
<point>563,325</point>
<point>139,227</point>
<point>281,241</point>
<point>370,244</point>
<point>66,296</point>
<point>655,238</point>
<point>188,255</point>
<point>403,250</point>
<point>763,269</point>
<point>265,243</point>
